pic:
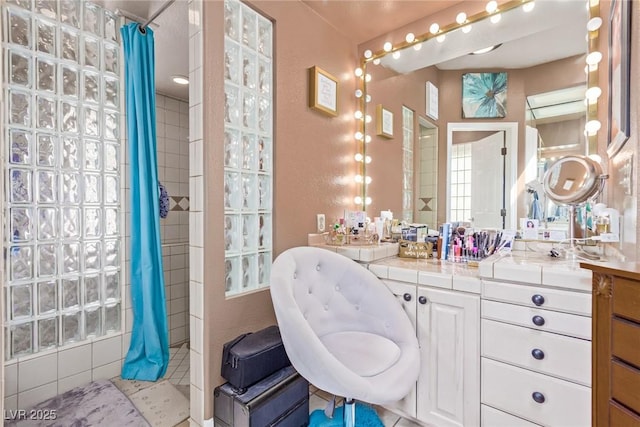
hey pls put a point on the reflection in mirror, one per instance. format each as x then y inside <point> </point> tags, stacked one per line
<point>542,51</point>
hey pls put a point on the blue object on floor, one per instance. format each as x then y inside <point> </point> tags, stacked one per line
<point>366,416</point>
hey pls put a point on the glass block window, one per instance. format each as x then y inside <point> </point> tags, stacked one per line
<point>248,148</point>
<point>62,172</point>
<point>460,182</point>
<point>407,164</point>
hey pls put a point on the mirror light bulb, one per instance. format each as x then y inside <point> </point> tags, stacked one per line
<point>593,93</point>
<point>434,28</point>
<point>396,54</point>
<point>592,126</point>
<point>496,18</point>
<point>358,93</point>
<point>376,61</point>
<point>357,200</point>
<point>357,178</point>
<point>359,136</point>
<point>466,28</point>
<point>367,159</point>
<point>594,23</point>
<point>367,98</point>
<point>492,6</point>
<point>367,78</point>
<point>368,119</point>
<point>410,37</point>
<point>367,138</point>
<point>461,18</point>
<point>358,72</point>
<point>440,38</point>
<point>417,46</point>
<point>528,7</point>
<point>387,47</point>
<point>358,157</point>
<point>367,180</point>
<point>367,201</point>
<point>368,53</point>
<point>594,58</point>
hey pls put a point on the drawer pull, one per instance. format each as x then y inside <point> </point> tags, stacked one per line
<point>538,397</point>
<point>537,299</point>
<point>407,296</point>
<point>422,300</point>
<point>538,320</point>
<point>537,354</point>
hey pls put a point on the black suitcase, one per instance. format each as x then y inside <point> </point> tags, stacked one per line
<point>280,400</point>
<point>252,357</point>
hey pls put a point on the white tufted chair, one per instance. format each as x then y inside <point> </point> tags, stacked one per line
<point>343,330</point>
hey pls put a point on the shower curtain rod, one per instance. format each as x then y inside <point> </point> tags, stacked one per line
<point>157,13</point>
<point>132,17</point>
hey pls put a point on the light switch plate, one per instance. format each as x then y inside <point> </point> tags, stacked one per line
<point>320,223</point>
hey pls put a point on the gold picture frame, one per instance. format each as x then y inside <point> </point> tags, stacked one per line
<point>384,122</point>
<point>323,91</point>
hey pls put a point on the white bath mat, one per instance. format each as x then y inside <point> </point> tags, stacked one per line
<point>162,404</point>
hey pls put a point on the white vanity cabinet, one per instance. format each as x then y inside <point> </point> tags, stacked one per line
<point>536,355</point>
<point>448,389</point>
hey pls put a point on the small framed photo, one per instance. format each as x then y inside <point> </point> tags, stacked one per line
<point>384,122</point>
<point>529,228</point>
<point>323,91</point>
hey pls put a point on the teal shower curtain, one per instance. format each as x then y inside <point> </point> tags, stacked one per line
<point>148,354</point>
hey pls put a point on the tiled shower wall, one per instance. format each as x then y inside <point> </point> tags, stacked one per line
<point>172,126</point>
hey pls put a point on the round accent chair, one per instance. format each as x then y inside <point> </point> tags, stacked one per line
<point>343,329</point>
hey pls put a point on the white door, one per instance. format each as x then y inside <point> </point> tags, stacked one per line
<point>449,335</point>
<point>406,294</point>
<point>487,181</point>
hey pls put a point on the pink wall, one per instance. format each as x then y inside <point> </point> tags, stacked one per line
<point>313,159</point>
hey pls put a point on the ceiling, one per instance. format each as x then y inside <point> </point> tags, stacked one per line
<point>364,20</point>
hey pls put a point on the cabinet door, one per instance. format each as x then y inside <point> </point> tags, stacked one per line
<point>406,294</point>
<point>449,335</point>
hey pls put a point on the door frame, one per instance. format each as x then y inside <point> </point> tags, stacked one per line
<point>511,139</point>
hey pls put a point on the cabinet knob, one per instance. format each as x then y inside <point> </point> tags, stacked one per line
<point>538,397</point>
<point>422,300</point>
<point>538,320</point>
<point>407,296</point>
<point>537,354</point>
<point>537,299</point>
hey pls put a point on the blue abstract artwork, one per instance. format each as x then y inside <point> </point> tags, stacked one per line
<point>484,95</point>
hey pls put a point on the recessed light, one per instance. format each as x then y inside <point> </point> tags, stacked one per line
<point>181,80</point>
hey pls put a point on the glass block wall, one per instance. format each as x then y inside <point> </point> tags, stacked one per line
<point>62,162</point>
<point>248,148</point>
<point>407,164</point>
<point>461,182</point>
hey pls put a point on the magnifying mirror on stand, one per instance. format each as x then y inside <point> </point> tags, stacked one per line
<point>572,181</point>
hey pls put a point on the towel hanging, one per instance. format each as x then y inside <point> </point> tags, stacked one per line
<point>164,201</point>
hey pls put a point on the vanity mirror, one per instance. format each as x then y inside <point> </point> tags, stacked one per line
<point>541,46</point>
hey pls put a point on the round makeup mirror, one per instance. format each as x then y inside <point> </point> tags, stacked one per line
<point>572,181</point>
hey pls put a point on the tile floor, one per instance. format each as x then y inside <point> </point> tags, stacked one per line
<point>318,399</point>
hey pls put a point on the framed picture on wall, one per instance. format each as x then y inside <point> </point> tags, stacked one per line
<point>323,91</point>
<point>484,95</point>
<point>384,122</point>
<point>619,72</point>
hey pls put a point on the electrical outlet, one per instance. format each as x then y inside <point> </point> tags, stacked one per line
<point>320,223</point>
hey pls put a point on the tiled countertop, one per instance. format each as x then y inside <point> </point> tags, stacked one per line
<point>536,268</point>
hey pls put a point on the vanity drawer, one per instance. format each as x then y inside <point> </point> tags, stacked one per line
<point>492,417</point>
<point>626,299</point>
<point>513,389</point>
<point>621,416</point>
<point>553,354</point>
<point>625,383</point>
<point>544,320</point>
<point>625,340</point>
<point>532,296</point>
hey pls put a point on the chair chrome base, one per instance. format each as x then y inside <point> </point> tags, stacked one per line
<point>349,414</point>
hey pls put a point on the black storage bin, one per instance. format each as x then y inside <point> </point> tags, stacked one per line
<point>280,400</point>
<point>252,357</point>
